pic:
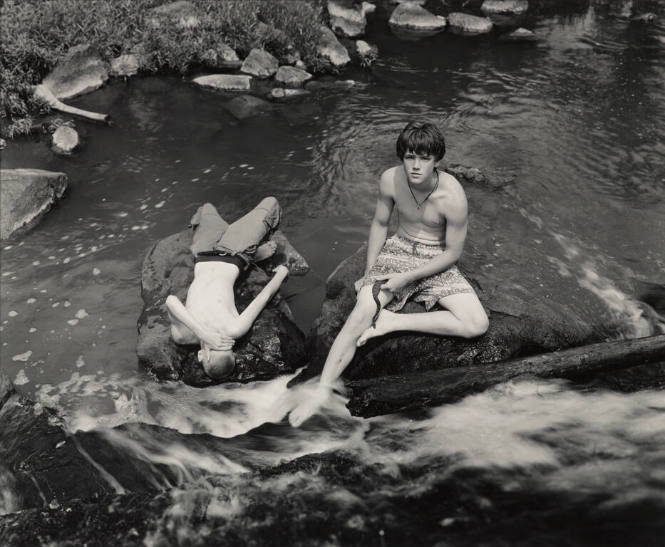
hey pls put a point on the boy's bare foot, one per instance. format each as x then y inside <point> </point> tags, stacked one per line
<point>307,408</point>
<point>381,328</point>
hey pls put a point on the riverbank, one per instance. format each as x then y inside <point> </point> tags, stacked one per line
<point>37,34</point>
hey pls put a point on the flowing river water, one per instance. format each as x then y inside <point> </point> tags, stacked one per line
<point>575,121</point>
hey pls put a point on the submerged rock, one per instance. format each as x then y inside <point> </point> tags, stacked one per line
<point>468,25</point>
<point>415,19</point>
<point>246,106</point>
<point>280,93</point>
<point>80,71</point>
<point>519,35</point>
<point>65,140</point>
<point>273,346</point>
<point>225,82</point>
<point>260,63</point>
<point>26,195</point>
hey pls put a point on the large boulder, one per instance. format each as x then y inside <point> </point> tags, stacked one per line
<point>260,63</point>
<point>331,49</point>
<point>272,347</point>
<point>82,70</point>
<point>26,195</point>
<point>347,18</point>
<point>225,82</point>
<point>465,24</point>
<point>411,18</point>
<point>518,326</point>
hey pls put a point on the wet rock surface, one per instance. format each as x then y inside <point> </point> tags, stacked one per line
<point>225,82</point>
<point>26,195</point>
<point>413,18</point>
<point>465,24</point>
<point>272,347</point>
<point>65,140</point>
<point>331,49</point>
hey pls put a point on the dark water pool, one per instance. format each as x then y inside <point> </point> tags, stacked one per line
<point>577,120</point>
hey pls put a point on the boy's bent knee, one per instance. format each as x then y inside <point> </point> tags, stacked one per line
<point>476,325</point>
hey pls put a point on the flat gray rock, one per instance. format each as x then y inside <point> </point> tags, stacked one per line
<point>225,82</point>
<point>414,18</point>
<point>465,24</point>
<point>504,7</point>
<point>291,76</point>
<point>26,195</point>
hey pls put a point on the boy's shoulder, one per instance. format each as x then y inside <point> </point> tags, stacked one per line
<point>390,177</point>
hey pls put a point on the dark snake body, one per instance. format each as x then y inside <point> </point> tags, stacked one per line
<point>376,289</point>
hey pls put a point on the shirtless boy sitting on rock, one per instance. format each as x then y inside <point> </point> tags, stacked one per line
<point>417,262</point>
<point>209,316</point>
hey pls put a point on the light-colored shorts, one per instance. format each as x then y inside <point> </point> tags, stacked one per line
<point>399,255</point>
<point>214,237</point>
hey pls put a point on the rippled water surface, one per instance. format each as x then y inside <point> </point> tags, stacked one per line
<point>576,121</point>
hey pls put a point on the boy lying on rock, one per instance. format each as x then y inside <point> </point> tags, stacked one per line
<point>209,316</point>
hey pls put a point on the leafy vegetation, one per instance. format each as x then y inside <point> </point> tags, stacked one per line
<point>36,33</point>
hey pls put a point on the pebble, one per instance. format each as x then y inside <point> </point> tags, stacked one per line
<point>81,314</point>
<point>96,271</point>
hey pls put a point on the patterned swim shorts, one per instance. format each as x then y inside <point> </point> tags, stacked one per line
<point>400,254</point>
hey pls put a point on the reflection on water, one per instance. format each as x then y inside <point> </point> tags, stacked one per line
<point>576,120</point>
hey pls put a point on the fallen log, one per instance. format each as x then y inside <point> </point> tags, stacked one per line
<point>43,92</point>
<point>387,394</point>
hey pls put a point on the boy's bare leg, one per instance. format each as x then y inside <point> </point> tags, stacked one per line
<point>341,352</point>
<point>464,316</point>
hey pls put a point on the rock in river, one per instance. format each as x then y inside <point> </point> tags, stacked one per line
<point>272,347</point>
<point>416,19</point>
<point>465,24</point>
<point>25,196</point>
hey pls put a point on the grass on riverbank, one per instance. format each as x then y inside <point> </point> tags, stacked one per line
<point>36,33</point>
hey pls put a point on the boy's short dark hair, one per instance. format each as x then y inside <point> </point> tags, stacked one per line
<point>422,138</point>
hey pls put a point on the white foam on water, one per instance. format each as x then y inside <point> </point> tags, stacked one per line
<point>21,378</point>
<point>96,271</point>
<point>22,357</point>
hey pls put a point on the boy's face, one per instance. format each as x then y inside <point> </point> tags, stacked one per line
<point>419,168</point>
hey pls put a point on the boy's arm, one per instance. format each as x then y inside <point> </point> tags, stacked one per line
<point>251,312</point>
<point>214,339</point>
<point>379,229</point>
